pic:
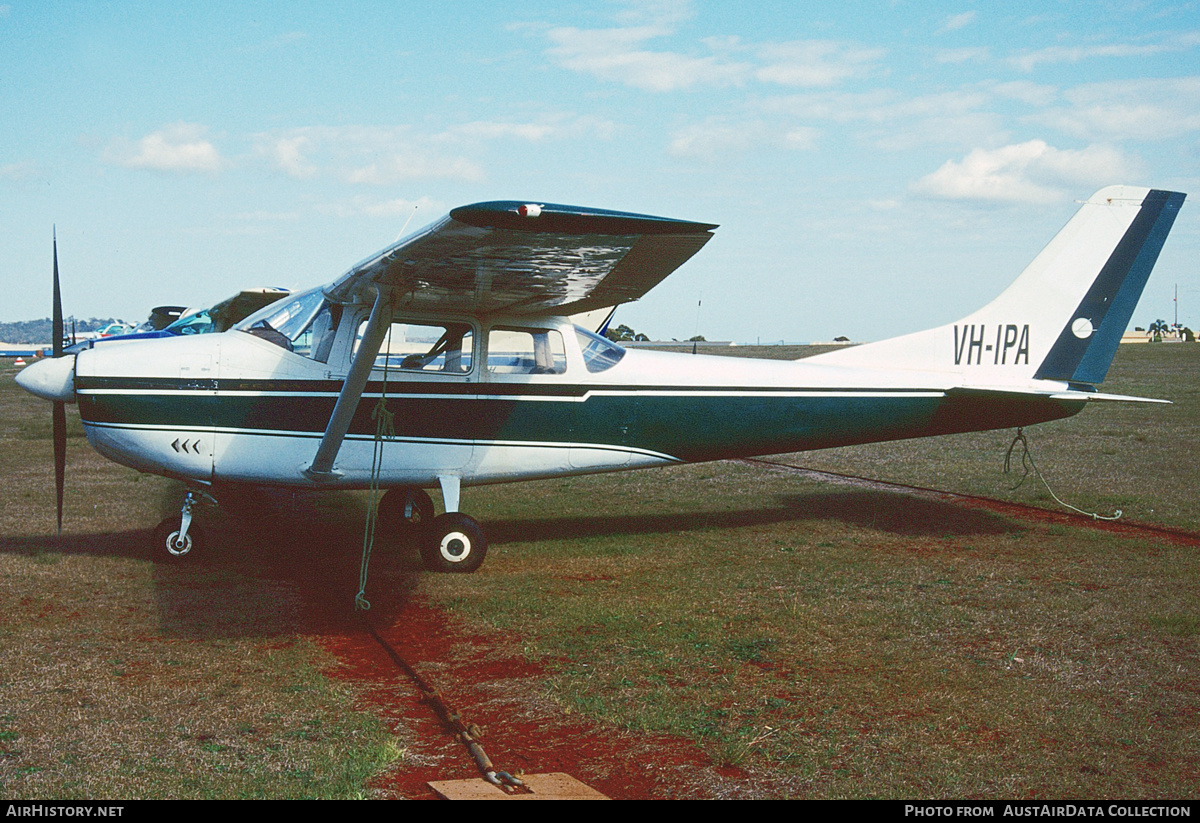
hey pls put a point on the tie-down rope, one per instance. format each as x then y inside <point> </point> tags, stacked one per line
<point>1027,463</point>
<point>384,430</point>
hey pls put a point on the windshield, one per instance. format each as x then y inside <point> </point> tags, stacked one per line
<point>199,322</point>
<point>289,322</point>
<point>288,316</point>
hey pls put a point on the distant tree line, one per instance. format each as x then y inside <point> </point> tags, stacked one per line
<point>623,333</point>
<point>42,331</point>
<point>1160,327</point>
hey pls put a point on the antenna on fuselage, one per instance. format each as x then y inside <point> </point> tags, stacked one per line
<point>403,229</point>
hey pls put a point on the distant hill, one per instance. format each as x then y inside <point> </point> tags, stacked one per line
<point>41,331</point>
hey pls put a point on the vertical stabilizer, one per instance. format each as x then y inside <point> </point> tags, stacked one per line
<point>1085,346</point>
<point>1063,318</point>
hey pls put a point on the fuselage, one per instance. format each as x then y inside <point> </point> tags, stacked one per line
<point>237,407</point>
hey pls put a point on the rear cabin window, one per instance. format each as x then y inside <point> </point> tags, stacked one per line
<point>599,353</point>
<point>443,348</point>
<point>526,351</point>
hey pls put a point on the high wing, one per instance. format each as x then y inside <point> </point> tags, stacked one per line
<point>527,259</point>
<point>504,256</point>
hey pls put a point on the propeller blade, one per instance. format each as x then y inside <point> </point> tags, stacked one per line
<point>60,454</point>
<point>60,408</point>
<point>58,318</point>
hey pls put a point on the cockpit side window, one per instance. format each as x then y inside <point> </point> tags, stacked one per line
<point>316,341</point>
<point>443,348</point>
<point>525,351</point>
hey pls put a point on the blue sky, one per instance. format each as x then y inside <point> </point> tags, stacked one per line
<point>876,168</point>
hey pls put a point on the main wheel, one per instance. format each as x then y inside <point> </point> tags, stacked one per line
<point>168,548</point>
<point>455,543</point>
<point>405,510</point>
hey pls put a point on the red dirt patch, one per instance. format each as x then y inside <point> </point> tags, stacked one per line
<point>1126,528</point>
<point>523,730</point>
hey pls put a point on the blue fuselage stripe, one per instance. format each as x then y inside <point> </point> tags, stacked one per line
<point>678,422</point>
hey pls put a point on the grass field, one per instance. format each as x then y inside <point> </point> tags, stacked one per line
<point>832,642</point>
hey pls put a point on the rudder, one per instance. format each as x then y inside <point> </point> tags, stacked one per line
<point>1085,347</point>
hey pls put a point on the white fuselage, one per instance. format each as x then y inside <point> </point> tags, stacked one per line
<point>234,407</point>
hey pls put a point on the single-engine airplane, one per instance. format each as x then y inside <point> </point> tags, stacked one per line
<point>460,331</point>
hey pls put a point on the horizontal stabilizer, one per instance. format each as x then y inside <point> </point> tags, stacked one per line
<point>1053,394</point>
<point>1102,397</point>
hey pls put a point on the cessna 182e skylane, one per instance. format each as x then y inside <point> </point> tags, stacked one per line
<point>461,328</point>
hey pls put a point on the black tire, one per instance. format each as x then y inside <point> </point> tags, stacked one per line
<point>454,543</point>
<point>166,547</point>
<point>406,510</point>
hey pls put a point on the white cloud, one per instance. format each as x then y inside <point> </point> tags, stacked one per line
<point>370,155</point>
<point>716,139</point>
<point>814,63</point>
<point>1028,172</point>
<point>976,54</point>
<point>708,140</point>
<point>385,155</point>
<point>879,105</point>
<point>618,54</point>
<point>894,122</point>
<point>178,147</point>
<point>410,165</point>
<point>1129,109</point>
<point>288,154</point>
<point>495,130</point>
<point>552,126</point>
<point>801,137</point>
<point>1073,54</point>
<point>656,12</point>
<point>1035,94</point>
<point>23,170</point>
<point>958,21</point>
<point>623,55</point>
<point>408,212</point>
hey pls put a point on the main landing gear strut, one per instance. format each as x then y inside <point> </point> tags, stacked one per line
<point>450,542</point>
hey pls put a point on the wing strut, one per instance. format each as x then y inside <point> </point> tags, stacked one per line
<point>321,470</point>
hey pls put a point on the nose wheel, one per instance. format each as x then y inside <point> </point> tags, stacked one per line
<point>172,545</point>
<point>178,539</point>
<point>453,543</point>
